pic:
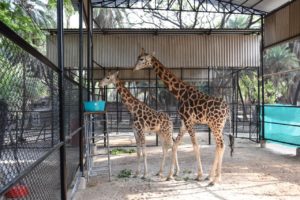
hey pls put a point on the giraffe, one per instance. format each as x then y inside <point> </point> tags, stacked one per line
<point>195,107</point>
<point>145,119</point>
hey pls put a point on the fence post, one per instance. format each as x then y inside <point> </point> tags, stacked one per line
<point>60,63</point>
<point>262,141</point>
<point>80,87</point>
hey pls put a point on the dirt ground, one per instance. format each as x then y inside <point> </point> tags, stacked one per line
<point>252,173</point>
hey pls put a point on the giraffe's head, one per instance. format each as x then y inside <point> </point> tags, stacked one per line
<point>110,78</point>
<point>144,60</point>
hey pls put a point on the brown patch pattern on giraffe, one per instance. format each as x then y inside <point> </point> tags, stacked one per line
<point>145,119</point>
<point>195,108</point>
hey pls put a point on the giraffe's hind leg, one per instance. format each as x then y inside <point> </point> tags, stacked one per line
<point>138,152</point>
<point>174,156</point>
<point>162,164</point>
<point>215,173</point>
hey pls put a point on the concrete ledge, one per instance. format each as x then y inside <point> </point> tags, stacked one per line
<point>263,144</point>
<point>298,152</point>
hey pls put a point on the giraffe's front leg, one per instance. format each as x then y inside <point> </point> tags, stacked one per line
<point>196,150</point>
<point>174,154</point>
<point>215,173</point>
<point>145,159</point>
<point>165,151</point>
<point>138,152</point>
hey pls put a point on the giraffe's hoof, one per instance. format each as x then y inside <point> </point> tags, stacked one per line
<point>208,178</point>
<point>198,178</point>
<point>170,178</point>
<point>211,184</point>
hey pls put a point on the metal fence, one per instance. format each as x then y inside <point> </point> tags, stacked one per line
<point>238,86</point>
<point>30,141</point>
<point>280,113</point>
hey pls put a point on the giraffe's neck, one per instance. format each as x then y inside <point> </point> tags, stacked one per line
<point>127,98</point>
<point>174,85</point>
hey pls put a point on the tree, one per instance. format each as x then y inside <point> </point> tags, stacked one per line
<point>281,66</point>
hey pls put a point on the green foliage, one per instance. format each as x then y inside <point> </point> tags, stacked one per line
<point>278,61</point>
<point>125,173</point>
<point>122,151</point>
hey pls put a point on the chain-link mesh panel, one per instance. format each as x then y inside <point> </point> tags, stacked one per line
<point>71,128</point>
<point>43,182</point>
<point>29,110</point>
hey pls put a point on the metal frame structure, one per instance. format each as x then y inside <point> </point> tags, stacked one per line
<point>208,6</point>
<point>86,13</point>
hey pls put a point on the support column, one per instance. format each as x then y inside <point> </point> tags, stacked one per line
<point>60,63</point>
<point>80,8</point>
<point>262,139</point>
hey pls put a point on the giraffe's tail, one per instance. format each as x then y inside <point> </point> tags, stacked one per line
<point>231,143</point>
<point>231,136</point>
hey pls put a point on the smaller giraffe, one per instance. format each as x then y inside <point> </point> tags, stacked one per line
<point>145,119</point>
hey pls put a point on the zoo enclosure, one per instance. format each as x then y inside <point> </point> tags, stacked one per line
<point>214,63</point>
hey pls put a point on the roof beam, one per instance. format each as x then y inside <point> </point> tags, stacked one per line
<point>218,6</point>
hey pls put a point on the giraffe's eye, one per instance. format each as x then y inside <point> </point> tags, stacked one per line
<point>141,59</point>
<point>107,77</point>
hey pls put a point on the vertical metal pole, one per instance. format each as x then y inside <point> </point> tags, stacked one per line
<point>232,101</point>
<point>52,108</point>
<point>208,89</point>
<point>156,106</point>
<point>92,54</point>
<point>262,79</point>
<point>80,86</point>
<point>60,62</point>
<point>257,109</point>
<point>89,50</point>
<point>237,102</point>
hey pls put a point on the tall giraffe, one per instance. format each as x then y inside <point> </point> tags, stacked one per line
<point>195,107</point>
<point>145,119</point>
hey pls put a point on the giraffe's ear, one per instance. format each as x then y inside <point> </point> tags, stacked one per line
<point>117,73</point>
<point>142,51</point>
<point>153,53</point>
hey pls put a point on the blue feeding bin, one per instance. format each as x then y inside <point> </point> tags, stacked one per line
<point>94,106</point>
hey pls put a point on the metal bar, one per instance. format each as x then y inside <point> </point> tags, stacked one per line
<point>81,148</point>
<point>282,41</point>
<point>208,84</point>
<point>262,48</point>
<point>283,124</point>
<point>232,103</point>
<point>162,31</point>
<point>218,7</point>
<point>282,106</point>
<point>89,50</point>
<point>27,170</point>
<point>92,56</point>
<point>294,144</point>
<point>156,97</point>
<point>60,63</point>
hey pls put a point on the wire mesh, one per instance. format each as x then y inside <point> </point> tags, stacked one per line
<point>29,124</point>
<point>43,182</point>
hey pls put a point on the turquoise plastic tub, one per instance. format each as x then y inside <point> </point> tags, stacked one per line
<point>94,106</point>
